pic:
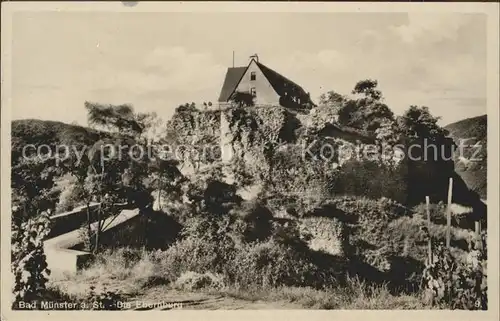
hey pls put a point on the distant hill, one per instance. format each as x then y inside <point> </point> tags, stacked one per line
<point>471,165</point>
<point>45,132</point>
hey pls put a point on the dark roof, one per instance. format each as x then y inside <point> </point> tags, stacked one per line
<point>279,82</point>
<point>233,77</point>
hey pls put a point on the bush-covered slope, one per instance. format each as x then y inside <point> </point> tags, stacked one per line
<point>46,132</point>
<point>471,164</point>
<point>46,177</point>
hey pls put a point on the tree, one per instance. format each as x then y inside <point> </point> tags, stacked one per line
<point>32,182</point>
<point>333,100</point>
<point>153,125</point>
<point>366,111</point>
<point>242,99</point>
<point>121,119</point>
<point>78,167</point>
<point>117,168</point>
<point>368,88</point>
<point>388,133</point>
<point>112,178</point>
<point>418,122</point>
<point>33,198</point>
<point>112,117</point>
<point>187,107</point>
<point>166,176</point>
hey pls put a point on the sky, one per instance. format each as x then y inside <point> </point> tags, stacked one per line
<point>157,61</point>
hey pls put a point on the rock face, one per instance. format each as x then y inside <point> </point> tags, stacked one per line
<point>295,153</point>
<point>248,134</point>
<point>304,153</point>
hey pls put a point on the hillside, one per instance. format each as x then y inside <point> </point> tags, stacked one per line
<point>472,164</point>
<point>46,132</point>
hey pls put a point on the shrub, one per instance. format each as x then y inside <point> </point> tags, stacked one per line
<point>135,265</point>
<point>71,193</point>
<point>190,281</point>
<point>195,255</point>
<point>104,300</point>
<point>366,209</point>
<point>86,237</point>
<point>253,221</point>
<point>356,294</point>
<point>217,246</point>
<point>324,234</point>
<point>56,295</point>
<point>409,235</point>
<point>269,264</point>
<point>461,216</point>
<point>301,182</point>
<point>436,211</point>
<point>205,247</point>
<point>367,222</point>
<point>29,263</point>
<point>294,204</point>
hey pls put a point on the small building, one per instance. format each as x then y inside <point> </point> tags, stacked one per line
<point>266,86</point>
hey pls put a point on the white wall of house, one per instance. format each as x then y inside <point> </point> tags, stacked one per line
<point>265,94</point>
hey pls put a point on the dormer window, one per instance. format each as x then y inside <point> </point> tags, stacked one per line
<point>253,75</point>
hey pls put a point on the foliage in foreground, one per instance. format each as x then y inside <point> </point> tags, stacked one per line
<point>29,264</point>
<point>453,284</point>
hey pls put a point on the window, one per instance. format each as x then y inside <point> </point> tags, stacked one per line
<point>253,92</point>
<point>253,75</point>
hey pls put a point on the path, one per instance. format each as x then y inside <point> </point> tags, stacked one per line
<point>162,298</point>
<point>61,256</point>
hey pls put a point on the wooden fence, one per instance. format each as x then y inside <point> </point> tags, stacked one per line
<point>478,238</point>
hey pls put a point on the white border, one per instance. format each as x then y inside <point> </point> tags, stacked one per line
<point>490,9</point>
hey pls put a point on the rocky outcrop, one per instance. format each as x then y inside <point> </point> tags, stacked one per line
<point>250,134</point>
<point>303,153</point>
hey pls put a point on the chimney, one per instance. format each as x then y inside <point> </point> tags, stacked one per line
<point>255,56</point>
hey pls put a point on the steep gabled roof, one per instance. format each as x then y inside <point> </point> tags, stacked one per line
<point>279,82</point>
<point>233,77</point>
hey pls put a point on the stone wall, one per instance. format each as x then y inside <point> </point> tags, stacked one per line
<point>69,221</point>
<point>74,219</point>
<point>64,252</point>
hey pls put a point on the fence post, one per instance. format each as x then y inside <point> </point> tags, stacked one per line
<point>429,242</point>
<point>479,241</point>
<point>448,213</point>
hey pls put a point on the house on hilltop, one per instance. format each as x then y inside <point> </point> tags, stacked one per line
<point>266,86</point>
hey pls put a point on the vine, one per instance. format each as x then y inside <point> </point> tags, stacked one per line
<point>29,263</point>
<point>455,284</point>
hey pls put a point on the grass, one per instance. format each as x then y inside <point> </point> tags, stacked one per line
<point>355,295</point>
<point>134,273</point>
<point>123,270</point>
<point>411,227</point>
